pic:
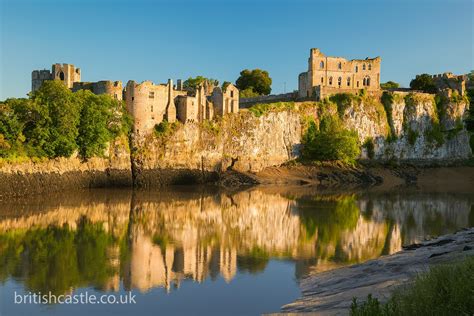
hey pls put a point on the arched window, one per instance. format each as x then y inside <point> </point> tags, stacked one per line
<point>357,69</point>
<point>322,79</point>
<point>330,81</point>
<point>348,81</point>
<point>368,81</point>
<point>370,67</point>
<point>357,84</point>
<point>61,75</point>
<point>339,66</point>
<point>364,82</point>
<point>321,64</point>
<point>363,67</point>
<point>339,81</point>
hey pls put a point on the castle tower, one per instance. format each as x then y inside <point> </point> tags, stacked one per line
<point>67,73</point>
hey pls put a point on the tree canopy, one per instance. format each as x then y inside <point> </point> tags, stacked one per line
<point>254,81</point>
<point>192,83</point>
<point>55,122</point>
<point>423,82</point>
<point>389,85</point>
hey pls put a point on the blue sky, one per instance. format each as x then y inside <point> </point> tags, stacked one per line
<point>156,40</point>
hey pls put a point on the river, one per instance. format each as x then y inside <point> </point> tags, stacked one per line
<point>201,250</point>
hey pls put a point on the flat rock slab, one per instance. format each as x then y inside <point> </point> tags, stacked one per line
<point>331,292</point>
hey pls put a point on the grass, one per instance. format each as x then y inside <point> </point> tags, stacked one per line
<point>263,108</point>
<point>445,290</point>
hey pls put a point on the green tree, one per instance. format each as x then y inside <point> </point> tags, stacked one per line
<point>58,121</point>
<point>248,93</point>
<point>258,80</point>
<point>330,141</point>
<point>423,82</point>
<point>389,85</point>
<point>192,83</point>
<point>11,136</point>
<point>96,115</point>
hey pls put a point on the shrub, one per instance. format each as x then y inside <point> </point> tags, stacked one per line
<point>248,93</point>
<point>369,145</point>
<point>165,129</point>
<point>434,135</point>
<point>389,85</point>
<point>330,141</point>
<point>344,101</point>
<point>412,136</point>
<point>263,108</point>
<point>444,290</point>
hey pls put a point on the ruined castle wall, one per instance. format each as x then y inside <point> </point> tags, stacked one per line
<point>67,73</point>
<point>147,103</point>
<point>38,77</point>
<point>186,109</point>
<point>338,72</point>
<point>112,88</point>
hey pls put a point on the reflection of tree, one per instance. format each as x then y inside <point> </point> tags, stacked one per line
<point>328,217</point>
<point>57,259</point>
<point>254,261</point>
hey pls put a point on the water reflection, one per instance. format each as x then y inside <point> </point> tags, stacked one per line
<point>144,240</point>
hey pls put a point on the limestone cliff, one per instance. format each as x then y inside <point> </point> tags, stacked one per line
<point>197,152</point>
<point>401,126</point>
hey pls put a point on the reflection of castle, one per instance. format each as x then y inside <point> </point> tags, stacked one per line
<point>154,266</point>
<point>160,240</point>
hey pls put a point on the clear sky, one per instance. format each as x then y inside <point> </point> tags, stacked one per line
<point>156,40</point>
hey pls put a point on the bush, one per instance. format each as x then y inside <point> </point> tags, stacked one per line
<point>389,85</point>
<point>444,290</point>
<point>412,136</point>
<point>434,135</point>
<point>330,141</point>
<point>344,101</point>
<point>369,145</point>
<point>165,128</point>
<point>263,108</point>
<point>248,93</point>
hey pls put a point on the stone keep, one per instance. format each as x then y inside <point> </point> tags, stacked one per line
<point>328,75</point>
<point>67,73</point>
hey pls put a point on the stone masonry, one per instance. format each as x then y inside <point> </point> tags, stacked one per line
<point>149,103</point>
<point>328,75</point>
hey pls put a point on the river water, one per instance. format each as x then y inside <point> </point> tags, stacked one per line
<point>200,250</point>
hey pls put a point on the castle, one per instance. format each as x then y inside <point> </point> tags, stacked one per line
<point>328,75</point>
<point>148,103</point>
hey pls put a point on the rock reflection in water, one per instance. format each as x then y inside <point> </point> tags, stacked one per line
<point>144,240</point>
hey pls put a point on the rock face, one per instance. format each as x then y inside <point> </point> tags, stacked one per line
<point>401,126</point>
<point>419,131</point>
<point>68,173</point>
<point>407,126</point>
<point>197,152</point>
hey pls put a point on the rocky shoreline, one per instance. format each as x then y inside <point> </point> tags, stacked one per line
<point>331,292</point>
<point>69,174</point>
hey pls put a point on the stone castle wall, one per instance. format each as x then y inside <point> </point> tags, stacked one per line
<point>112,88</point>
<point>338,72</point>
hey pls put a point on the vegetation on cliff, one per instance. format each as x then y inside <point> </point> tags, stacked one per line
<point>55,122</point>
<point>329,141</point>
<point>444,290</point>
